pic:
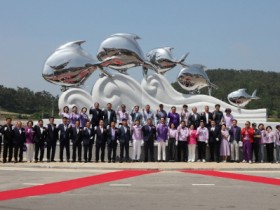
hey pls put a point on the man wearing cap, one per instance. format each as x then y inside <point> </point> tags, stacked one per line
<point>125,137</point>
<point>235,138</point>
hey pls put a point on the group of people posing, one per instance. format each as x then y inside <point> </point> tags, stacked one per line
<point>180,136</point>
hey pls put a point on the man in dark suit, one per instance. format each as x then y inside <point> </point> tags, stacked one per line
<point>149,135</point>
<point>0,139</point>
<point>18,141</point>
<point>214,141</point>
<point>125,137</point>
<point>109,115</point>
<point>97,115</point>
<point>112,138</point>
<point>235,138</point>
<point>65,130</point>
<point>7,133</point>
<point>207,117</point>
<point>194,118</point>
<point>88,141</point>
<point>136,115</point>
<point>52,136</point>
<point>77,138</point>
<point>100,133</point>
<point>40,136</point>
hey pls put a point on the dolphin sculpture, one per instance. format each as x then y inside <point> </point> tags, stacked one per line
<point>193,78</point>
<point>70,65</point>
<point>121,51</point>
<point>241,98</point>
<point>162,58</point>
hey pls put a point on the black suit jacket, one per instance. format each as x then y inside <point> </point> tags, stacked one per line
<point>238,134</point>
<point>65,134</point>
<point>97,115</point>
<point>52,134</point>
<point>76,137</point>
<point>18,138</point>
<point>210,117</point>
<point>195,122</point>
<point>113,117</point>
<point>7,132</point>
<point>149,135</point>
<point>213,135</point>
<point>39,137</point>
<point>100,137</point>
<point>110,138</point>
<point>124,136</point>
<point>88,136</point>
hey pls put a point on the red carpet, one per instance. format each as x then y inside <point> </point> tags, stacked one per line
<point>242,177</point>
<point>64,186</point>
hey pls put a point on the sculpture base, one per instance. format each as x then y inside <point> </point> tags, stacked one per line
<point>154,90</point>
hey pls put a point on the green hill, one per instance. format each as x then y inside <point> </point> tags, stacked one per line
<point>228,80</point>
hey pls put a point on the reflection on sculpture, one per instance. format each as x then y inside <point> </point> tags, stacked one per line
<point>241,98</point>
<point>163,60</point>
<point>69,65</point>
<point>121,52</point>
<point>193,78</point>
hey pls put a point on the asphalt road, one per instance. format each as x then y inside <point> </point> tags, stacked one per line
<point>163,190</point>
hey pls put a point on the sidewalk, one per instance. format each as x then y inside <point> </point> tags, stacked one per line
<point>167,166</point>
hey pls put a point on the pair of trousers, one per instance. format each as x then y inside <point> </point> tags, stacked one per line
<point>136,149</point>
<point>112,148</point>
<point>87,152</point>
<point>191,151</point>
<point>8,151</point>
<point>261,153</point>
<point>64,145</point>
<point>29,152</point>
<point>18,153</point>
<point>77,147</point>
<point>39,147</point>
<point>278,153</point>
<point>256,148</point>
<point>161,149</point>
<point>171,148</point>
<point>214,148</point>
<point>234,150</point>
<point>269,152</point>
<point>100,146</point>
<point>201,146</point>
<point>149,148</point>
<point>124,146</point>
<point>247,150</point>
<point>182,148</point>
<point>51,147</point>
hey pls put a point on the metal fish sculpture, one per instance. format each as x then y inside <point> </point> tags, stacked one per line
<point>69,65</point>
<point>194,78</point>
<point>121,51</point>
<point>162,58</point>
<point>241,98</point>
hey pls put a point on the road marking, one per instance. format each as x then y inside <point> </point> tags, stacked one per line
<point>32,184</point>
<point>120,185</point>
<point>203,184</point>
<point>235,176</point>
<point>68,185</point>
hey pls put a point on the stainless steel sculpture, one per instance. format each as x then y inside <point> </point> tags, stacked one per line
<point>121,51</point>
<point>194,78</point>
<point>70,65</point>
<point>241,98</point>
<point>162,58</point>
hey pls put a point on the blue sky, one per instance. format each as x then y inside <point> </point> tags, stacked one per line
<point>239,34</point>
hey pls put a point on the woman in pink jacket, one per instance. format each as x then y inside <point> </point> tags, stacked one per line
<point>192,143</point>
